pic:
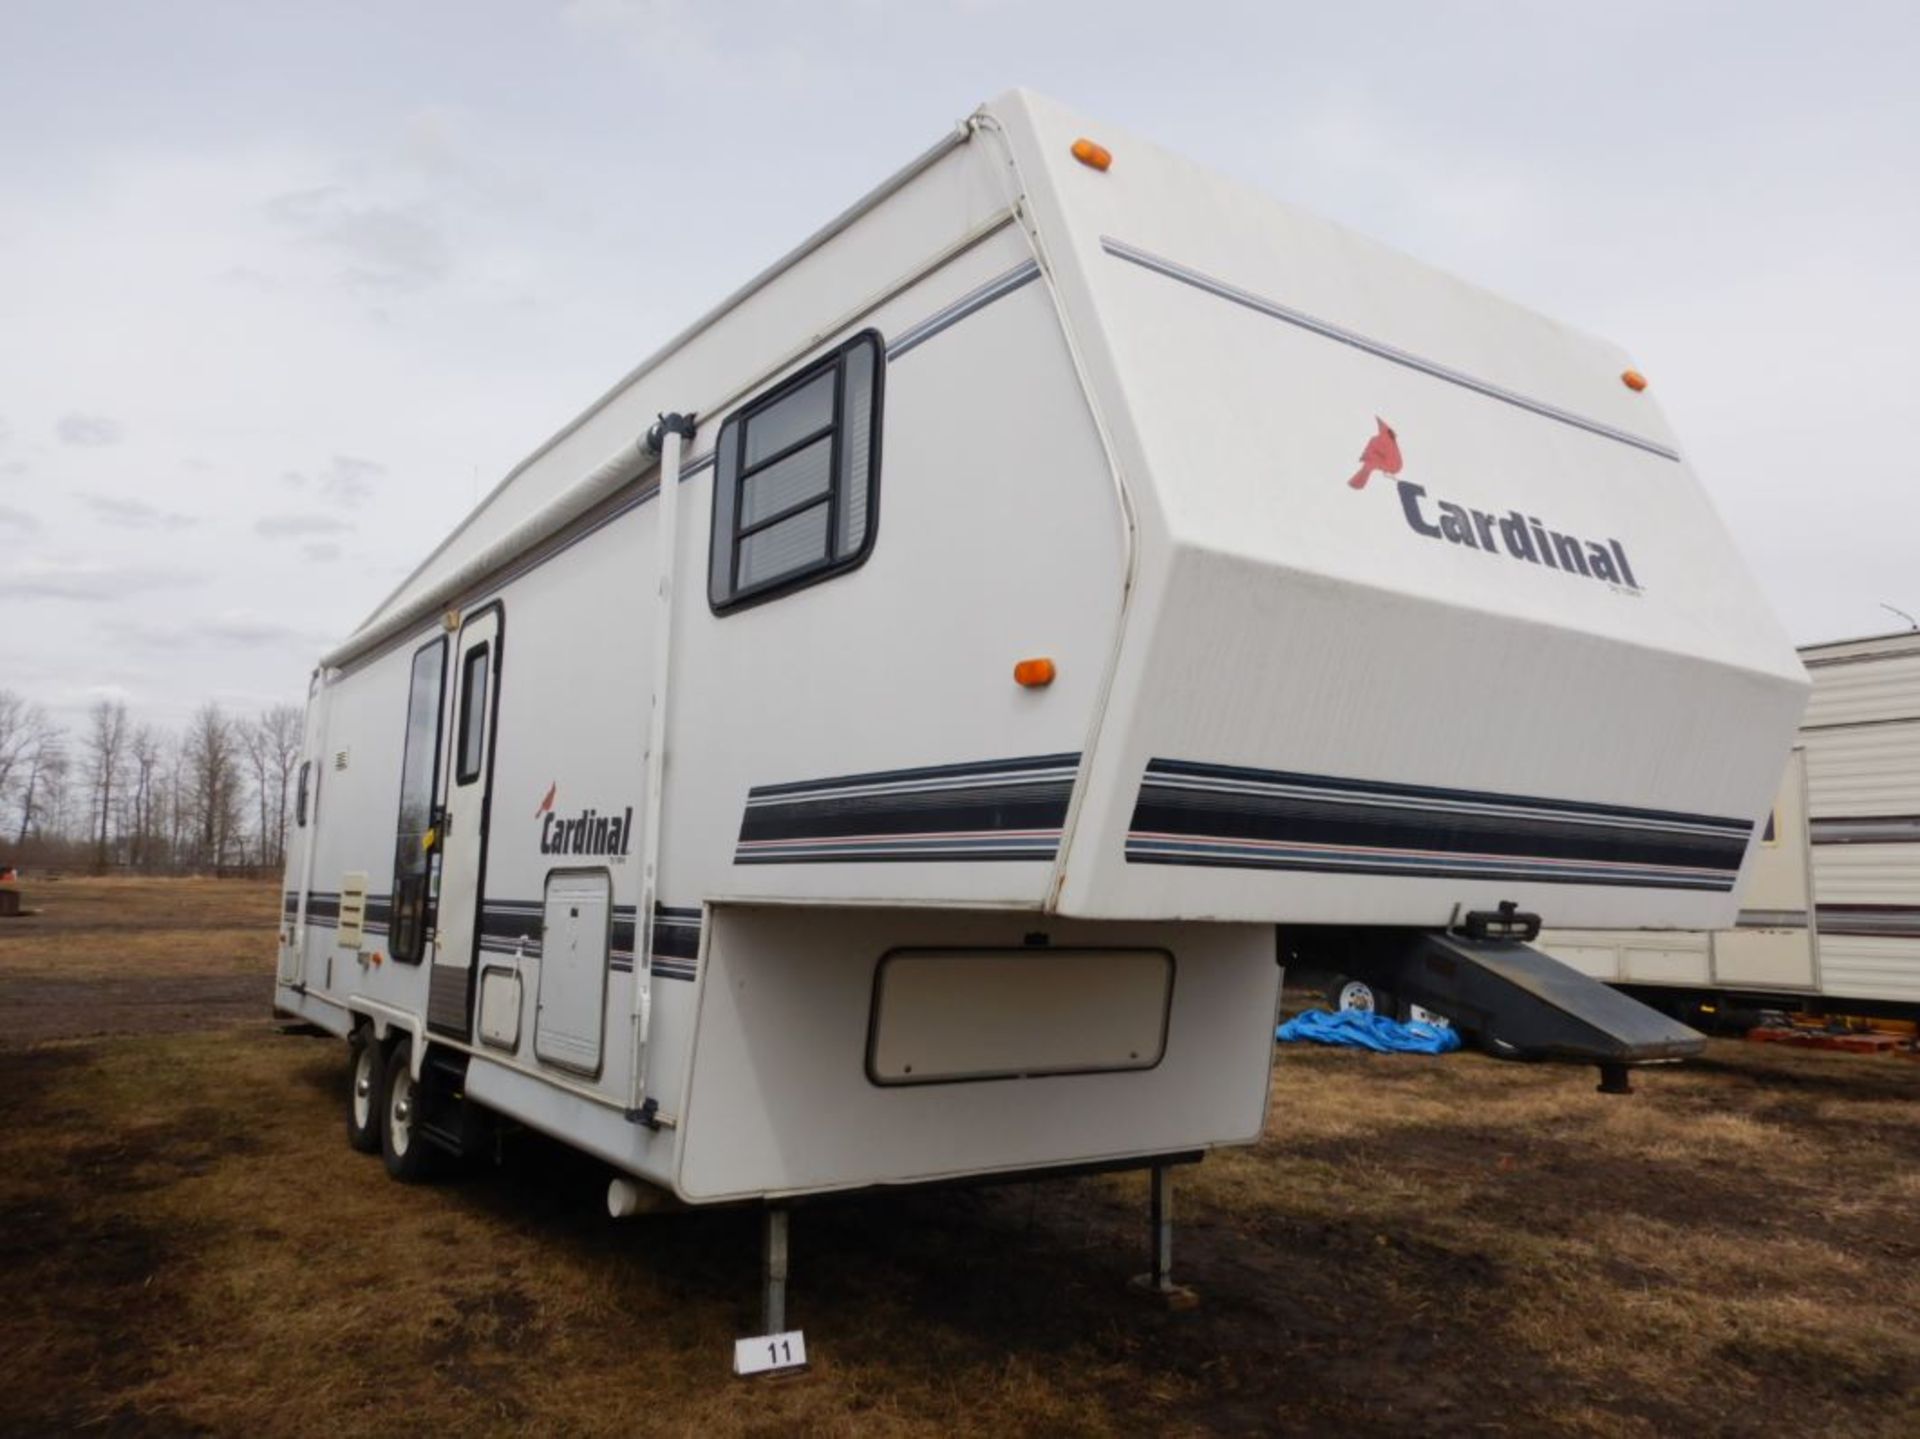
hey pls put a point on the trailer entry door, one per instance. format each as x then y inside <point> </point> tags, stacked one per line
<point>464,821</point>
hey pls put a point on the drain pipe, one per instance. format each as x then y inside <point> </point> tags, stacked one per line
<point>670,433</point>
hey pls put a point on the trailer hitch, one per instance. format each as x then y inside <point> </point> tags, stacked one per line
<point>1506,922</point>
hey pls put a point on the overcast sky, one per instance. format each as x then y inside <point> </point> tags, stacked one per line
<point>283,287</point>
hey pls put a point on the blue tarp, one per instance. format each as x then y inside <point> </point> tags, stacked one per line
<point>1363,1030</point>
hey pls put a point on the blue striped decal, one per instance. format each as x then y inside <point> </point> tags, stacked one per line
<point>1010,809</point>
<point>513,926</point>
<point>1232,817</point>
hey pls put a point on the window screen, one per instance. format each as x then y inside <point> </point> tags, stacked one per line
<point>413,865</point>
<point>473,715</point>
<point>795,477</point>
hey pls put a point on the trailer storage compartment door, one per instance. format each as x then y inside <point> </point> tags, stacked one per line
<point>946,1015</point>
<point>574,941</point>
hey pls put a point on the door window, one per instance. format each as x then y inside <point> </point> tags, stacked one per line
<point>473,715</point>
<point>415,860</point>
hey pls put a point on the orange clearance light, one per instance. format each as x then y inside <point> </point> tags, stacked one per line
<point>1097,157</point>
<point>1633,380</point>
<point>1033,674</point>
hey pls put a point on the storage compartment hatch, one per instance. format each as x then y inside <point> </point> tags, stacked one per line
<point>574,938</point>
<point>945,1015</point>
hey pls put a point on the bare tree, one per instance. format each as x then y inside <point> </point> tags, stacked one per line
<point>179,811</point>
<point>106,751</point>
<point>41,766</point>
<point>213,774</point>
<point>146,752</point>
<point>54,816</point>
<point>121,792</point>
<point>251,740</point>
<point>281,733</point>
<point>21,727</point>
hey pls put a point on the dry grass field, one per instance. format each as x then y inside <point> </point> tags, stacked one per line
<point>1419,1245</point>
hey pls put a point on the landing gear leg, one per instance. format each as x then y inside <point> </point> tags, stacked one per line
<point>1158,1283</point>
<point>773,1294</point>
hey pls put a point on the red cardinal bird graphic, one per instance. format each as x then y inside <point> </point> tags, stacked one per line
<point>547,803</point>
<point>1382,453</point>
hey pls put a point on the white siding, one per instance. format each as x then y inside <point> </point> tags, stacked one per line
<point>1864,681</point>
<point>1866,873</point>
<point>1870,770</point>
<point>1870,967</point>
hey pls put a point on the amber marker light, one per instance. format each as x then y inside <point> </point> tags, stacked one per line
<point>1033,674</point>
<point>1096,157</point>
<point>1633,380</point>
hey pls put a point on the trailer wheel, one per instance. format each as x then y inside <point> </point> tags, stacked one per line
<point>409,1155</point>
<point>367,1090</point>
<point>1344,992</point>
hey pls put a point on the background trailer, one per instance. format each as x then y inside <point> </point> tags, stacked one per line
<point>875,743</point>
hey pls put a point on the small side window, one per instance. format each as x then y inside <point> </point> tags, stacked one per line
<point>1771,834</point>
<point>473,715</point>
<point>301,794</point>
<point>796,479</point>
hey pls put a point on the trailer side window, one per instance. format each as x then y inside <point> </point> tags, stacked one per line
<point>796,479</point>
<point>414,863</point>
<point>300,797</point>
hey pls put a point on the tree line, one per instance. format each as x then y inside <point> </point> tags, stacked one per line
<point>116,794</point>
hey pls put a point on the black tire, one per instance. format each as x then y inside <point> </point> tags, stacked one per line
<point>365,1065</point>
<point>410,1156</point>
<point>1345,991</point>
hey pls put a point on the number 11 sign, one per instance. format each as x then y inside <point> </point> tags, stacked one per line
<point>770,1353</point>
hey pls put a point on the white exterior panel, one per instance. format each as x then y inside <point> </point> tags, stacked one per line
<point>779,1101</point>
<point>1000,537</point>
<point>1284,623</point>
<point>1763,959</point>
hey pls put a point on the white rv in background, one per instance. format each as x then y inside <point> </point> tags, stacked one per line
<point>875,743</point>
<point>1829,913</point>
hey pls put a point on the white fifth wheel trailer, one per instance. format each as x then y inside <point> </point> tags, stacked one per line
<point>875,743</point>
<point>1829,915</point>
